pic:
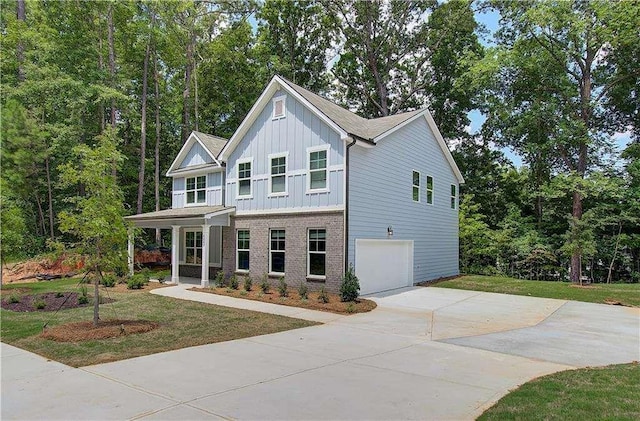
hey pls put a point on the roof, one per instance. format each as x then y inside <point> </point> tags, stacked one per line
<point>214,144</point>
<point>187,212</point>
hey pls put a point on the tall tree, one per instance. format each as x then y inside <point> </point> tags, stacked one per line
<point>143,117</point>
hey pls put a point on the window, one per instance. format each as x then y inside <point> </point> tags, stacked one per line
<point>430,190</point>
<point>416,186</point>
<point>278,183</point>
<point>193,247</point>
<point>317,252</point>
<point>454,196</point>
<point>278,107</point>
<point>196,189</point>
<point>276,251</point>
<point>244,178</point>
<point>317,175</point>
<point>242,247</point>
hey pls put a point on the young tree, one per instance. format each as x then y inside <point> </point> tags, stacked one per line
<point>97,220</point>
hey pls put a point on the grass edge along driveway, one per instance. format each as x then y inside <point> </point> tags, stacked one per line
<point>182,324</point>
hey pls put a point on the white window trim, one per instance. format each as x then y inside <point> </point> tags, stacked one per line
<point>184,246</point>
<point>271,272</point>
<point>286,174</point>
<point>433,189</point>
<point>413,186</point>
<point>309,151</point>
<point>196,203</point>
<point>244,161</point>
<point>282,98</point>
<point>238,249</point>
<point>455,198</point>
<point>309,275</point>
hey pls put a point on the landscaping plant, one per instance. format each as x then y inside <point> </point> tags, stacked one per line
<point>350,286</point>
<point>108,281</point>
<point>282,288</point>
<point>233,282</point>
<point>248,283</point>
<point>303,291</point>
<point>218,281</point>
<point>323,297</point>
<point>264,284</point>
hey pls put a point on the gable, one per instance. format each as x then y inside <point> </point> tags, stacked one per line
<point>196,155</point>
<point>193,154</point>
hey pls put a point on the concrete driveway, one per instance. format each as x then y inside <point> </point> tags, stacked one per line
<point>424,353</point>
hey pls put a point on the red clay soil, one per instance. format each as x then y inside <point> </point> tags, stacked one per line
<point>27,271</point>
<point>85,331</point>
<point>152,256</point>
<point>50,299</point>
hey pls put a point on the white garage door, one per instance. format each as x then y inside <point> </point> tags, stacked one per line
<point>382,265</point>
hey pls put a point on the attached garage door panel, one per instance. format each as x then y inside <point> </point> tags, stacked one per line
<point>382,265</point>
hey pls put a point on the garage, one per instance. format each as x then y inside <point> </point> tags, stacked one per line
<point>382,265</point>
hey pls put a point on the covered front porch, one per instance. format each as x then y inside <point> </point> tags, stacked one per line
<point>196,239</point>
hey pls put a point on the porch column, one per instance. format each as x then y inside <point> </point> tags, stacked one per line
<point>175,254</point>
<point>130,252</point>
<point>206,229</point>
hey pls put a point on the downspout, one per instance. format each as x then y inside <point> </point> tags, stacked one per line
<point>346,205</point>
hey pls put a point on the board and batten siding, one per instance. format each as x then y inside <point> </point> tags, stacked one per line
<point>380,196</point>
<point>214,192</point>
<point>197,155</point>
<point>297,131</point>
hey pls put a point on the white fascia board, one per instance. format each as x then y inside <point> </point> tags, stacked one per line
<point>273,86</point>
<point>205,148</point>
<point>183,152</point>
<point>220,212</point>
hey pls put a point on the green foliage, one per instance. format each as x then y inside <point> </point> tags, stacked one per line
<point>59,294</point>
<point>282,288</point>
<point>39,304</point>
<point>303,291</point>
<point>233,282</point>
<point>83,298</point>
<point>264,284</point>
<point>13,299</point>
<point>350,286</point>
<point>248,283</point>
<point>108,280</point>
<point>218,281</point>
<point>136,282</point>
<point>323,296</point>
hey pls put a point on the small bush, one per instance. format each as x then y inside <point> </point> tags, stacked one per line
<point>13,299</point>
<point>229,290</point>
<point>135,282</point>
<point>264,284</point>
<point>59,295</point>
<point>218,281</point>
<point>39,304</point>
<point>146,274</point>
<point>303,291</point>
<point>83,298</point>
<point>248,283</point>
<point>243,293</point>
<point>350,286</point>
<point>282,288</point>
<point>108,281</point>
<point>351,308</point>
<point>233,282</point>
<point>323,297</point>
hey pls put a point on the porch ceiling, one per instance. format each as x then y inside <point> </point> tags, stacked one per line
<point>192,215</point>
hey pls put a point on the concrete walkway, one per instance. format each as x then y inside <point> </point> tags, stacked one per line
<point>424,353</point>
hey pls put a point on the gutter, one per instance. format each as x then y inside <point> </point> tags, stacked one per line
<point>346,204</point>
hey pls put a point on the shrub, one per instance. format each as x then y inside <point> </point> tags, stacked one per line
<point>323,297</point>
<point>108,281</point>
<point>218,281</point>
<point>243,293</point>
<point>351,308</point>
<point>233,282</point>
<point>248,283</point>
<point>13,299</point>
<point>83,298</point>
<point>264,284</point>
<point>303,291</point>
<point>350,286</point>
<point>146,274</point>
<point>135,282</point>
<point>282,288</point>
<point>39,304</point>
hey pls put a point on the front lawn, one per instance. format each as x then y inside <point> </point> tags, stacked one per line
<point>625,294</point>
<point>181,324</point>
<point>611,393</point>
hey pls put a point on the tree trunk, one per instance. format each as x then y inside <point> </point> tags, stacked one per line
<point>195,92</point>
<point>186,94</point>
<point>156,176</point>
<point>576,256</point>
<point>43,226</point>
<point>112,61</point>
<point>21,15</point>
<point>100,69</point>
<point>143,126</point>
<point>50,194</point>
<point>96,297</point>
<point>615,252</point>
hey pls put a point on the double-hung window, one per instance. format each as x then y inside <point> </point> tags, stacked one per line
<point>317,169</point>
<point>242,247</point>
<point>454,196</point>
<point>278,168</point>
<point>317,249</point>
<point>193,247</point>
<point>196,189</point>
<point>429,190</point>
<point>416,186</point>
<point>276,251</point>
<point>244,178</point>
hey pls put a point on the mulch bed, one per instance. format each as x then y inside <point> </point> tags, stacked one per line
<point>51,300</point>
<point>293,300</point>
<point>85,331</point>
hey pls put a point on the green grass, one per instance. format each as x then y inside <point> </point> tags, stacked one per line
<point>627,294</point>
<point>606,393</point>
<point>182,324</point>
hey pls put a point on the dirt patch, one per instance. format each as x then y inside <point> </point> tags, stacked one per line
<point>28,270</point>
<point>48,301</point>
<point>293,300</point>
<point>437,281</point>
<point>85,331</point>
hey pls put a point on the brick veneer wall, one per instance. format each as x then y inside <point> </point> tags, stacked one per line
<point>296,226</point>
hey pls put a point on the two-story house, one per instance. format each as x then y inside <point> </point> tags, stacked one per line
<point>305,188</point>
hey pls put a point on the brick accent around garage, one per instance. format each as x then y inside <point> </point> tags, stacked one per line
<point>296,227</point>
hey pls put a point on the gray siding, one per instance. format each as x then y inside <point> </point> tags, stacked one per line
<point>215,190</point>
<point>380,195</point>
<point>196,156</point>
<point>299,130</point>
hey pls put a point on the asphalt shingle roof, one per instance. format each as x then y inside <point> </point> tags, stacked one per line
<point>213,143</point>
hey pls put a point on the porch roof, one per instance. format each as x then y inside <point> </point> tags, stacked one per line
<point>191,215</point>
